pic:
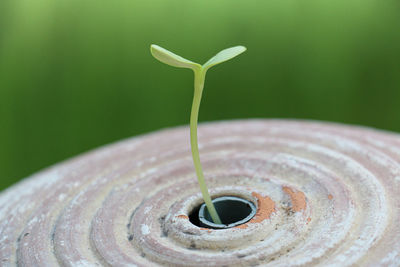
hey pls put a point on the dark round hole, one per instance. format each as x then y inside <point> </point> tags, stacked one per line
<point>232,210</point>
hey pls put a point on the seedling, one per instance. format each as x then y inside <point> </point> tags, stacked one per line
<point>174,60</point>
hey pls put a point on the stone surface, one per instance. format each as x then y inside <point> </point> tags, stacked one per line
<point>327,194</point>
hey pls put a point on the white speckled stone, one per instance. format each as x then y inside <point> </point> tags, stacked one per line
<point>327,195</point>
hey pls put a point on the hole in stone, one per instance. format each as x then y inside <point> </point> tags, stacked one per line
<point>232,210</point>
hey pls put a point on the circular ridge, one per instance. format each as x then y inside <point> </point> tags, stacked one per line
<point>245,211</point>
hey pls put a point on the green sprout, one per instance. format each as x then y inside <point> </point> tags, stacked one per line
<point>174,60</point>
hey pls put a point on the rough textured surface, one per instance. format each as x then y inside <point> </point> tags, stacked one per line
<point>327,194</point>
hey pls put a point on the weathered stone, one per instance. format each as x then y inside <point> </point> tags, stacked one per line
<point>327,194</point>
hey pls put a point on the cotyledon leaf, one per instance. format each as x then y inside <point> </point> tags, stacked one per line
<point>172,59</point>
<point>224,55</point>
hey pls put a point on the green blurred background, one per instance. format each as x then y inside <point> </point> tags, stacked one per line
<point>78,74</point>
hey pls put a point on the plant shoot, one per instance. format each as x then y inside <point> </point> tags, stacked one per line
<point>174,60</point>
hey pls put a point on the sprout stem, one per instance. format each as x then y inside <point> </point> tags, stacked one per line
<point>199,76</point>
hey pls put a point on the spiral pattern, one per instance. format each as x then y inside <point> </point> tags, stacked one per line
<point>326,194</point>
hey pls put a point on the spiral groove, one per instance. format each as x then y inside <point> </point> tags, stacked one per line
<point>327,195</point>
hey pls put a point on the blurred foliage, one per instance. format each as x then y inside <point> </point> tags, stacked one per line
<point>77,74</point>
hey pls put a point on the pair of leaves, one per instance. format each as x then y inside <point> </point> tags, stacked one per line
<point>174,60</point>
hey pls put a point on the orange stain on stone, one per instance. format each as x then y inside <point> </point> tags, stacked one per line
<point>298,199</point>
<point>308,220</point>
<point>183,216</point>
<point>266,206</point>
<point>330,196</point>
